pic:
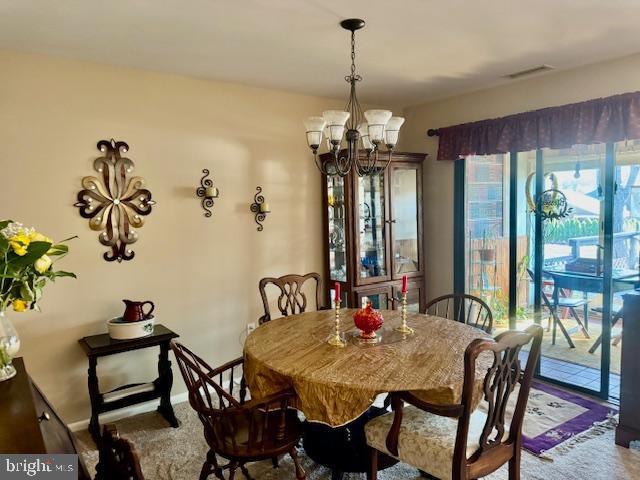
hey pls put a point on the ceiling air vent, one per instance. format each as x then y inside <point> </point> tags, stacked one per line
<point>529,71</point>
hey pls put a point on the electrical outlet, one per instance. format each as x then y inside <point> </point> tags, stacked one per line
<point>251,327</point>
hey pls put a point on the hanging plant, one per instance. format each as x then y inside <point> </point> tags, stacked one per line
<point>552,205</point>
<point>531,204</point>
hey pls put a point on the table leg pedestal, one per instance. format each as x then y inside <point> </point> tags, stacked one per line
<point>343,449</point>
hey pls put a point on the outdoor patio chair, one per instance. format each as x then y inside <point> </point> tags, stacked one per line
<point>557,302</point>
<point>616,316</point>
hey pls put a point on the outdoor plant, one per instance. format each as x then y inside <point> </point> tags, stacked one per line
<point>499,305</point>
<point>560,231</point>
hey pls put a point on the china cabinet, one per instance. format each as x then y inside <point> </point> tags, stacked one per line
<point>374,234</point>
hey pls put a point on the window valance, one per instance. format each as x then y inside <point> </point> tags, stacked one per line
<point>602,120</point>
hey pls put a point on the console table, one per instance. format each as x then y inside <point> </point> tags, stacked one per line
<point>628,428</point>
<point>103,345</point>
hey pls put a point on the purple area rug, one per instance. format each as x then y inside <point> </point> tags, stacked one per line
<point>554,416</point>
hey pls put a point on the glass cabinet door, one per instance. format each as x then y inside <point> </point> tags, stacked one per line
<point>337,224</point>
<point>372,231</point>
<point>380,298</point>
<point>405,220</point>
<point>414,297</point>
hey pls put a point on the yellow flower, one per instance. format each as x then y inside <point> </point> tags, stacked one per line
<point>42,264</point>
<point>20,243</point>
<point>19,305</point>
<point>38,237</point>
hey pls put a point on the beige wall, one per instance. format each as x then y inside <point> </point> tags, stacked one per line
<point>201,272</point>
<point>599,80</point>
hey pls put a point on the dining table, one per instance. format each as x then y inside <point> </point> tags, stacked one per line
<point>336,387</point>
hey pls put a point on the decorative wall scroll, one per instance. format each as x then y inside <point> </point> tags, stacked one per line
<point>260,208</point>
<point>116,202</point>
<point>207,192</point>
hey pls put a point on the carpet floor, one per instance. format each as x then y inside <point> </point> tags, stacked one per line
<point>177,454</point>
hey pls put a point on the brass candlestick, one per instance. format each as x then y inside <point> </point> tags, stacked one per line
<point>335,339</point>
<point>404,328</point>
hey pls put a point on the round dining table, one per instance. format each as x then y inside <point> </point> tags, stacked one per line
<point>336,386</point>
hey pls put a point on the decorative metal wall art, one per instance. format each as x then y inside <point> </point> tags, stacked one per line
<point>260,208</point>
<point>115,203</point>
<point>207,192</point>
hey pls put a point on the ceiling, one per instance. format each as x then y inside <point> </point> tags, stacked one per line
<point>411,51</point>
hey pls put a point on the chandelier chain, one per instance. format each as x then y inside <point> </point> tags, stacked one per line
<point>353,54</point>
<point>353,77</point>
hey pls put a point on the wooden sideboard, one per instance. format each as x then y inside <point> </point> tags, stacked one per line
<point>628,428</point>
<point>29,423</point>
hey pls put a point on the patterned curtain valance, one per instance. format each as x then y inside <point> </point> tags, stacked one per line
<point>601,120</point>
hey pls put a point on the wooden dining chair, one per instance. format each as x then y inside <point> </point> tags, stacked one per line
<point>238,429</point>
<point>117,457</point>
<point>453,441</point>
<point>292,299</point>
<point>462,308</point>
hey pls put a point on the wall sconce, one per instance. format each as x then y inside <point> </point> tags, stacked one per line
<point>207,192</point>
<point>260,208</point>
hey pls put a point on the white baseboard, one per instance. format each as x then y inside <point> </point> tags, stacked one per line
<point>128,412</point>
<point>134,410</point>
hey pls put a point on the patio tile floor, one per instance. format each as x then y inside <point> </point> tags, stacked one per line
<point>578,375</point>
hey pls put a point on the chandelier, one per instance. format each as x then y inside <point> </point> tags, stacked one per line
<point>371,129</point>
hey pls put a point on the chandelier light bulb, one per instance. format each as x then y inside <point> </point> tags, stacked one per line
<point>326,137</point>
<point>363,130</point>
<point>335,120</point>
<point>377,120</point>
<point>314,127</point>
<point>392,131</point>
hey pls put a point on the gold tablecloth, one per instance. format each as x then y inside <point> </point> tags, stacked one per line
<point>336,385</point>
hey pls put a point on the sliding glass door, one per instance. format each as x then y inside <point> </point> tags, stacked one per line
<point>572,277</point>
<point>552,237</point>
<point>486,232</point>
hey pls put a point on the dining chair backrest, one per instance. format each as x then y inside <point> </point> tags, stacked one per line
<point>292,298</point>
<point>499,383</point>
<point>206,386</point>
<point>462,308</point>
<point>232,424</point>
<point>117,457</point>
<point>500,438</point>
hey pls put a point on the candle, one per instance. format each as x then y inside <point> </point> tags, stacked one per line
<point>337,289</point>
<point>264,207</point>
<point>404,284</point>
<point>211,192</point>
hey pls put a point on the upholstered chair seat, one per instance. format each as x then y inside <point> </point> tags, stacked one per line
<point>459,441</point>
<point>426,440</point>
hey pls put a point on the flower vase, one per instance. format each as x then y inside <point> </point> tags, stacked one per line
<point>9,346</point>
